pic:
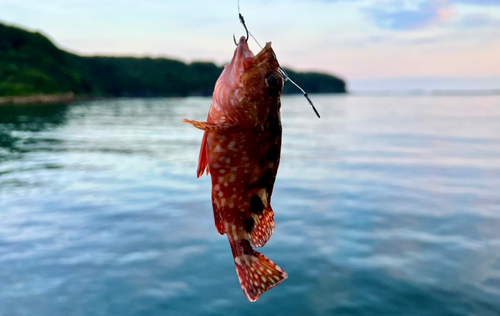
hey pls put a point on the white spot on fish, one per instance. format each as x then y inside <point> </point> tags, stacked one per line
<point>231,146</point>
<point>216,187</point>
<point>219,149</point>
<point>222,201</point>
<point>263,196</point>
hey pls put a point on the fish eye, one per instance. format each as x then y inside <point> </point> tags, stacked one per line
<point>273,80</point>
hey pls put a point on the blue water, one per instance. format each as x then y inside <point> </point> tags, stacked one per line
<point>384,206</point>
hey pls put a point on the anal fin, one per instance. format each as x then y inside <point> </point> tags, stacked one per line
<point>219,224</point>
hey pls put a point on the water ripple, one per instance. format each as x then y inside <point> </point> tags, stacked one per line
<point>386,205</point>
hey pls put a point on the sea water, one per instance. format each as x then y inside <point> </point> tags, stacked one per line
<point>387,205</point>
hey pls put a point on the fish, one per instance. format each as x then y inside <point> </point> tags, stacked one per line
<point>241,149</point>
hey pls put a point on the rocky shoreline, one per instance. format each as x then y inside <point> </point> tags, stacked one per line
<point>38,99</point>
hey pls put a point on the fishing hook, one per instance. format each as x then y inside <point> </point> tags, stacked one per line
<point>242,20</point>
<point>280,70</point>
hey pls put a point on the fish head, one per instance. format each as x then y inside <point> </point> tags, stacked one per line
<point>250,86</point>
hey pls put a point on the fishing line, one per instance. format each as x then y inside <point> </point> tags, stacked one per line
<point>286,78</point>
<point>280,70</point>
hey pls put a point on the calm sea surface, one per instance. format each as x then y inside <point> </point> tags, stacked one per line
<point>384,206</point>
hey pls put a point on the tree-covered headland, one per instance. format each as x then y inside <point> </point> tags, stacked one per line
<point>31,64</point>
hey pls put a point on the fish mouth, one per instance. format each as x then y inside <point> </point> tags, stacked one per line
<point>244,55</point>
<point>242,51</point>
<point>244,60</point>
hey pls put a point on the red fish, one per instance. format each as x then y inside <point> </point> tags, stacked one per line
<point>241,150</point>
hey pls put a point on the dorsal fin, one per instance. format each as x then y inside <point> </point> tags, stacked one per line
<point>260,223</point>
<point>263,227</point>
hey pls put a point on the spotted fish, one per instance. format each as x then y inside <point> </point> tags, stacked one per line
<point>241,150</point>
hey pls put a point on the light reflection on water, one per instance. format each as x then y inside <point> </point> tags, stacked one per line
<point>385,205</point>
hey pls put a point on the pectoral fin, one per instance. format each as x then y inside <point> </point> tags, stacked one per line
<point>208,127</point>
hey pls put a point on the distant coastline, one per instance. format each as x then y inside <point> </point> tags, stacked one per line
<point>38,99</point>
<point>421,92</point>
<point>426,85</point>
<point>32,66</point>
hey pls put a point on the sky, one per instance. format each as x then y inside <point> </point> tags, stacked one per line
<point>370,43</point>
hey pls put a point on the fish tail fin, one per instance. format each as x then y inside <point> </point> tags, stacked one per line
<point>256,273</point>
<point>203,160</point>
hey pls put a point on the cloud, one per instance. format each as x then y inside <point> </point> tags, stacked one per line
<point>402,18</point>
<point>397,15</point>
<point>480,21</point>
<point>479,2</point>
